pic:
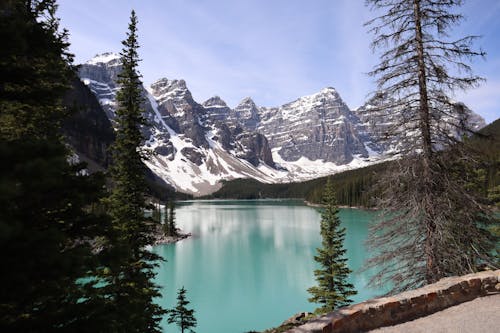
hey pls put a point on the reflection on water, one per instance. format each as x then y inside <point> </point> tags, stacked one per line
<point>250,263</point>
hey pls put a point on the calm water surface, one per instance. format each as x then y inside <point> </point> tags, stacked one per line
<point>250,263</point>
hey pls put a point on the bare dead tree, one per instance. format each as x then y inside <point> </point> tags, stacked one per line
<point>430,226</point>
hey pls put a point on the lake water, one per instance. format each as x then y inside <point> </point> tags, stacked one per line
<point>249,263</point>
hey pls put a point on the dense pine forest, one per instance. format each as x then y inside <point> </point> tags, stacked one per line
<point>351,187</point>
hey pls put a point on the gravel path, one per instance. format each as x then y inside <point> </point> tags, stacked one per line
<point>479,315</point>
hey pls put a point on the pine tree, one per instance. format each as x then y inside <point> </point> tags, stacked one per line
<point>181,315</point>
<point>333,290</point>
<point>130,280</point>
<point>45,218</point>
<point>156,213</point>
<point>35,70</point>
<point>46,227</point>
<point>430,226</point>
<point>172,228</point>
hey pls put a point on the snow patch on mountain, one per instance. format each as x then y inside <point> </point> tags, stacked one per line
<point>104,58</point>
<point>306,169</point>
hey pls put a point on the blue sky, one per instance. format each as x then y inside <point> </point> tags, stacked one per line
<point>272,50</point>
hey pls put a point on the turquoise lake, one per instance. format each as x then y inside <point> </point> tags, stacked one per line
<point>249,263</point>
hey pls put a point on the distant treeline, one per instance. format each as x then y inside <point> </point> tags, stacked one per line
<point>487,147</point>
<point>352,188</point>
<point>355,187</point>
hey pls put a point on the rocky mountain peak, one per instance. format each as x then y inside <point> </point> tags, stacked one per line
<point>174,97</point>
<point>100,74</point>
<point>246,102</point>
<point>327,94</point>
<point>215,102</point>
<point>247,114</point>
<point>165,84</point>
<point>110,58</point>
<point>318,127</point>
<point>216,110</point>
<point>175,91</point>
<point>329,91</point>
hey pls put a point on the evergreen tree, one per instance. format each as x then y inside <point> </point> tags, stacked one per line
<point>172,228</point>
<point>430,226</point>
<point>181,315</point>
<point>47,225</point>
<point>130,276</point>
<point>46,220</point>
<point>333,290</point>
<point>35,70</point>
<point>156,214</point>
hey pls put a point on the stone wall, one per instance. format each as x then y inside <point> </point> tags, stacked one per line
<point>406,306</point>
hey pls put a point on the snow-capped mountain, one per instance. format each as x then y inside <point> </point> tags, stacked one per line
<point>198,145</point>
<point>317,127</point>
<point>376,123</point>
<point>187,140</point>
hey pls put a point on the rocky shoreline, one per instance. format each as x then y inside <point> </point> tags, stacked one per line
<point>312,204</point>
<point>161,238</point>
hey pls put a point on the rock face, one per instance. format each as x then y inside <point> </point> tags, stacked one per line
<point>254,148</point>
<point>197,145</point>
<point>88,130</point>
<point>318,126</point>
<point>377,124</point>
<point>194,145</point>
<point>100,74</point>
<point>247,114</point>
<point>175,101</point>
<point>216,111</point>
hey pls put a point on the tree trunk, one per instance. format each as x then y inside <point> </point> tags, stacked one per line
<point>424,125</point>
<point>424,121</point>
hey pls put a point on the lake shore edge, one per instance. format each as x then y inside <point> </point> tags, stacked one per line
<point>317,205</point>
<point>161,239</point>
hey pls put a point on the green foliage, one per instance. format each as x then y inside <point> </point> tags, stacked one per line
<point>35,70</point>
<point>47,220</point>
<point>333,290</point>
<point>156,215</point>
<point>352,188</point>
<point>486,145</point>
<point>45,228</point>
<point>130,276</point>
<point>172,228</point>
<point>494,195</point>
<point>168,226</point>
<point>181,315</point>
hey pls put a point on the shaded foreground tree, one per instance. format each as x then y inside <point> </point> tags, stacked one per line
<point>130,275</point>
<point>430,226</point>
<point>46,215</point>
<point>333,290</point>
<point>181,315</point>
<point>34,70</point>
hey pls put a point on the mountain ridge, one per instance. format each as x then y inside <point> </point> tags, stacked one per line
<point>197,145</point>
